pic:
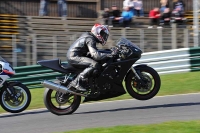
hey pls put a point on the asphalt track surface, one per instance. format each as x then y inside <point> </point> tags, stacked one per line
<point>126,112</point>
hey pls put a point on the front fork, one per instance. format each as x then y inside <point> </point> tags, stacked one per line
<point>10,90</point>
<point>138,75</point>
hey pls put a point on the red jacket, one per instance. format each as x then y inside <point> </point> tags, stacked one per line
<point>152,14</point>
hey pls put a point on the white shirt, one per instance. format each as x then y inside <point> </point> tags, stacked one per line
<point>128,3</point>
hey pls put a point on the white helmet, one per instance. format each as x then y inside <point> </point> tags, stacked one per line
<point>101,32</point>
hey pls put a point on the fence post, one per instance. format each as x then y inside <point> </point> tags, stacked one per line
<point>186,38</point>
<point>174,42</point>
<point>14,52</point>
<point>142,39</point>
<point>123,32</point>
<point>34,49</point>
<point>72,39</point>
<point>28,55</point>
<point>160,39</point>
<point>54,46</point>
<point>196,22</point>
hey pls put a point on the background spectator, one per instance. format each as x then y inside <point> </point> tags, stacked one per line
<point>154,16</point>
<point>129,3</point>
<point>165,18</point>
<point>115,14</point>
<point>62,8</point>
<point>164,4</point>
<point>138,7</point>
<point>106,15</point>
<point>179,6</point>
<point>43,8</point>
<point>126,17</point>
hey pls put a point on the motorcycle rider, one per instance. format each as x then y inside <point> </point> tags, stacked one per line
<point>77,52</point>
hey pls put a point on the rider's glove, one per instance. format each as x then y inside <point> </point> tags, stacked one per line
<point>114,51</point>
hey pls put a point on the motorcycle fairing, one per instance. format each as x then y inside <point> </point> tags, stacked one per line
<point>116,88</point>
<point>6,71</point>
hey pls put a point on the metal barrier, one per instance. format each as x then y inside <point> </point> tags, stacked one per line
<point>173,61</point>
<point>33,75</point>
<point>28,50</point>
<point>168,61</point>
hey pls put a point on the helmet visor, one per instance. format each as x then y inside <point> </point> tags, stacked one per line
<point>104,35</point>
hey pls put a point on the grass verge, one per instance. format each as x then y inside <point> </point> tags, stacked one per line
<point>166,127</point>
<point>170,84</point>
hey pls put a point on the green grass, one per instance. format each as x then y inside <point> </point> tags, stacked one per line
<point>167,127</point>
<point>170,84</point>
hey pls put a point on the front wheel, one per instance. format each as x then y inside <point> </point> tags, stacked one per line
<point>151,85</point>
<point>59,103</point>
<point>16,102</point>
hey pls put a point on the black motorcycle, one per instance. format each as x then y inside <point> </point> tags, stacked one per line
<point>141,81</point>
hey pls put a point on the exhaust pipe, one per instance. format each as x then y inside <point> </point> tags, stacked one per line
<point>60,88</point>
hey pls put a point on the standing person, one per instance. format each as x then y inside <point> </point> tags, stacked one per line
<point>137,7</point>
<point>141,10</point>
<point>62,8</point>
<point>43,8</point>
<point>154,16</point>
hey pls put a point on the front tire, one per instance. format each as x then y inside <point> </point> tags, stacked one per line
<point>57,104</point>
<point>15,105</point>
<point>151,78</point>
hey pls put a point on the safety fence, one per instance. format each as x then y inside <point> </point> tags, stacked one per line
<point>23,50</point>
<point>167,61</point>
<point>173,61</point>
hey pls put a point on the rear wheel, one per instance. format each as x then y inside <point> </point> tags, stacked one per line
<point>59,103</point>
<point>143,92</point>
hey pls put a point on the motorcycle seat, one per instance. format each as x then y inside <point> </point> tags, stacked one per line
<point>69,67</point>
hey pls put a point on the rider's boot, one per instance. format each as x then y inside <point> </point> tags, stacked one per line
<point>81,81</point>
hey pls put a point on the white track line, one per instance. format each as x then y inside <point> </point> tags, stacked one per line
<point>42,109</point>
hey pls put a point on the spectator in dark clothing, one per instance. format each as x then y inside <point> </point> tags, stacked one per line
<point>106,16</point>
<point>165,18</point>
<point>179,6</point>
<point>154,16</point>
<point>115,14</point>
<point>62,8</point>
<point>43,8</point>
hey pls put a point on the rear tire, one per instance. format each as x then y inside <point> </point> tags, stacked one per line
<point>154,88</point>
<point>57,110</point>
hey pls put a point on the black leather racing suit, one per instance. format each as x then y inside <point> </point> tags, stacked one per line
<point>77,52</point>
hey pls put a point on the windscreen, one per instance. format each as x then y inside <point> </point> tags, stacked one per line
<point>124,41</point>
<point>2,59</point>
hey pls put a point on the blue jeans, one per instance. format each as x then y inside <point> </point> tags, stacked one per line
<point>62,8</point>
<point>43,8</point>
<point>125,21</point>
<point>140,13</point>
<point>132,10</point>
